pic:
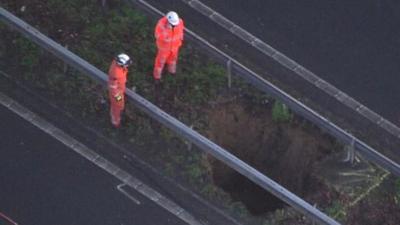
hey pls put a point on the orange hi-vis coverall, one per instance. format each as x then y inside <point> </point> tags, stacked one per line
<point>116,91</point>
<point>169,40</point>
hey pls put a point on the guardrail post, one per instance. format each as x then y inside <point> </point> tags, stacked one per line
<point>104,3</point>
<point>229,72</point>
<point>350,152</point>
<point>65,68</point>
<point>170,122</point>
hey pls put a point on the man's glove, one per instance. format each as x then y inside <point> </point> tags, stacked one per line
<point>118,97</point>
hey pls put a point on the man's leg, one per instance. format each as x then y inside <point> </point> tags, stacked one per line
<point>172,61</point>
<point>115,111</point>
<point>159,63</point>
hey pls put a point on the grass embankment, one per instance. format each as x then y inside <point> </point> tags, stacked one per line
<point>97,34</point>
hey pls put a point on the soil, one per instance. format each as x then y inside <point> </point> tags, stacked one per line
<point>286,152</point>
<point>372,212</point>
<point>381,207</point>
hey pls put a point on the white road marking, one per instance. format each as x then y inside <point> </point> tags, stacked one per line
<point>292,65</point>
<point>8,219</point>
<point>119,187</point>
<point>101,162</point>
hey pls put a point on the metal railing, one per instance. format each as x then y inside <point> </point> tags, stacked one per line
<point>169,121</point>
<point>290,64</point>
<point>267,87</point>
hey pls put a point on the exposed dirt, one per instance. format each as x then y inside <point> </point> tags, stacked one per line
<point>375,212</point>
<point>381,207</point>
<point>284,152</point>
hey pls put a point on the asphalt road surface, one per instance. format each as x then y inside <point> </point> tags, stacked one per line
<point>44,182</point>
<point>354,45</point>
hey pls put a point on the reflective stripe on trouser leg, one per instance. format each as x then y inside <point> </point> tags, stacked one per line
<point>171,61</point>
<point>116,110</point>
<point>157,73</point>
<point>115,120</point>
<point>172,68</point>
<point>159,64</point>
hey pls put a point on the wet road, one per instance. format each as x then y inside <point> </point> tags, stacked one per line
<point>354,45</point>
<point>44,182</point>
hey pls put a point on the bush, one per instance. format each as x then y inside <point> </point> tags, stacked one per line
<point>281,113</point>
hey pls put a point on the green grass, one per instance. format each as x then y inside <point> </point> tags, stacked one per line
<point>122,29</point>
<point>30,58</point>
<point>281,113</point>
<point>336,210</point>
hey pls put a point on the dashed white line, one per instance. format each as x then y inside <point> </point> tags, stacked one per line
<point>243,34</point>
<point>101,162</point>
<point>119,188</point>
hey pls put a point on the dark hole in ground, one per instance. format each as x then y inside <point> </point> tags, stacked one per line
<point>285,152</point>
<point>256,199</point>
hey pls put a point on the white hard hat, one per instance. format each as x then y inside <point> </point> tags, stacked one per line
<point>173,18</point>
<point>123,59</point>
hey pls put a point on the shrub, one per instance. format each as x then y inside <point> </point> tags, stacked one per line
<point>280,112</point>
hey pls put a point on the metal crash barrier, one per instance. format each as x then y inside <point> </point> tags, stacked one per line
<point>169,121</point>
<point>298,107</point>
<point>290,64</point>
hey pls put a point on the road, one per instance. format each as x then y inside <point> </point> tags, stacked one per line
<point>354,45</point>
<point>44,182</point>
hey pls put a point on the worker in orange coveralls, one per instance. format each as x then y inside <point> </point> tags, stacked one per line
<point>117,75</point>
<point>169,37</point>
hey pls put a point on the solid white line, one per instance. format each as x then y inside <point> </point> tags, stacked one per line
<point>101,162</point>
<point>351,102</point>
<point>8,219</point>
